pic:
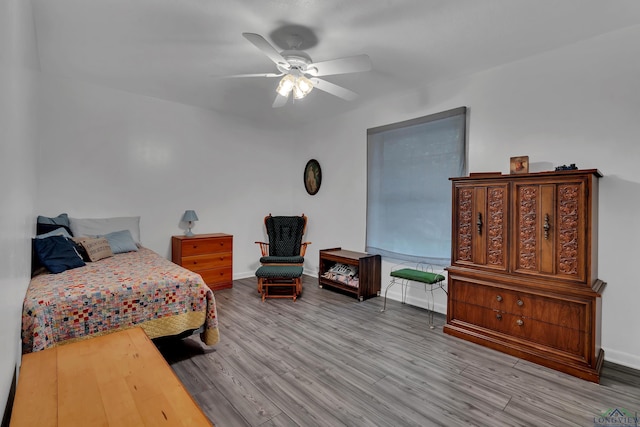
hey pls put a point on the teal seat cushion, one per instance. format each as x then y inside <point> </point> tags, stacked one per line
<point>281,260</point>
<point>279,272</point>
<point>418,276</point>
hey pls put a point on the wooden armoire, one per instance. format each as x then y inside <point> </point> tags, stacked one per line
<point>523,275</point>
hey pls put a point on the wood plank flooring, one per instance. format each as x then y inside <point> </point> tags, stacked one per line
<point>329,360</point>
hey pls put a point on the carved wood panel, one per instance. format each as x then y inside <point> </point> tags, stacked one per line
<point>496,226</point>
<point>568,237</point>
<point>527,220</point>
<point>465,225</point>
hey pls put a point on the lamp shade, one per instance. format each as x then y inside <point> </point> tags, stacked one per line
<point>189,216</point>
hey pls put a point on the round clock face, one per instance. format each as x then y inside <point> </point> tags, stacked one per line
<point>312,176</point>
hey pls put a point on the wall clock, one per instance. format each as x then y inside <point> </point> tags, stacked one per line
<point>312,176</point>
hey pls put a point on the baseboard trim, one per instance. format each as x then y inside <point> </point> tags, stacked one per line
<point>6,418</point>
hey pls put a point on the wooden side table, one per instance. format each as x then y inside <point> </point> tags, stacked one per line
<point>368,271</point>
<point>209,255</point>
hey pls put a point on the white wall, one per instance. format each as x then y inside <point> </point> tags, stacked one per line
<point>111,153</point>
<point>579,104</point>
<point>104,153</point>
<point>18,95</point>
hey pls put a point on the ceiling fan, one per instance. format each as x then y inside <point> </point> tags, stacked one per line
<point>300,74</point>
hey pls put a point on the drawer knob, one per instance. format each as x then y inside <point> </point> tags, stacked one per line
<point>499,316</point>
<point>520,303</point>
<point>519,322</point>
<point>499,298</point>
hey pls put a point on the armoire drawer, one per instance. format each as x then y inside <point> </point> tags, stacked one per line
<point>563,312</point>
<point>534,331</point>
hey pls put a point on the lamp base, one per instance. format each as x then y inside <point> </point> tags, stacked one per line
<point>189,233</point>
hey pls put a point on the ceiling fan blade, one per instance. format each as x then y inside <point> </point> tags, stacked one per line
<point>351,64</point>
<point>280,101</point>
<point>235,76</point>
<point>333,89</point>
<point>258,41</point>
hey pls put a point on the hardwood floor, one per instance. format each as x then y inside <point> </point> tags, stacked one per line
<point>329,360</point>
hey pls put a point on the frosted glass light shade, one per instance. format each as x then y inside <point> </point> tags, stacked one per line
<point>286,84</point>
<point>302,87</point>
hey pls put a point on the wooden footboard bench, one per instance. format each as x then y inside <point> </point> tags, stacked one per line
<point>119,379</point>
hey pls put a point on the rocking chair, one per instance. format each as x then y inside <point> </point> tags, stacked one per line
<point>283,256</point>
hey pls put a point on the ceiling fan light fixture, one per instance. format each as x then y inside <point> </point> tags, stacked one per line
<point>286,84</point>
<point>302,87</point>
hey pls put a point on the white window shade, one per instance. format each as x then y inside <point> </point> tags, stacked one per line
<point>408,190</point>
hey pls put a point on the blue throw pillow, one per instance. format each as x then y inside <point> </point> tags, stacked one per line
<point>121,241</point>
<point>57,254</point>
<point>62,219</point>
<point>60,231</point>
<point>44,224</point>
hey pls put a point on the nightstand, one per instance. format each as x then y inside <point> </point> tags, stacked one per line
<point>209,255</point>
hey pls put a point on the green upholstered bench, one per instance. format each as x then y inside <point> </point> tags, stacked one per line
<point>279,281</point>
<point>418,275</point>
<point>429,279</point>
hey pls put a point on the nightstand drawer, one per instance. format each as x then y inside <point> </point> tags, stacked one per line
<point>216,276</point>
<point>206,246</point>
<point>205,262</point>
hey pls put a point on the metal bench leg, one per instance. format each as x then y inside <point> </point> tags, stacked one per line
<point>393,282</point>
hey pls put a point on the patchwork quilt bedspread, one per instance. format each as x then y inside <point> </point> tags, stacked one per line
<point>136,288</point>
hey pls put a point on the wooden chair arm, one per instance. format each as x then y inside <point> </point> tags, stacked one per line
<point>264,248</point>
<point>303,248</point>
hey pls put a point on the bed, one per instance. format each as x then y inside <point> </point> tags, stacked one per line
<point>139,288</point>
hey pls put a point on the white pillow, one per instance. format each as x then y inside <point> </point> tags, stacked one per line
<point>99,226</point>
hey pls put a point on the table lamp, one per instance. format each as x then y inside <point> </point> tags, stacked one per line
<point>189,217</point>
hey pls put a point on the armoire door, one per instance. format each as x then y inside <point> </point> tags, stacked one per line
<point>550,236</point>
<point>480,234</point>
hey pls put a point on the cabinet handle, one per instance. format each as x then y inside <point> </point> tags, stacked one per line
<point>499,316</point>
<point>479,223</point>
<point>546,226</point>
<point>519,322</point>
<point>499,298</point>
<point>520,303</point>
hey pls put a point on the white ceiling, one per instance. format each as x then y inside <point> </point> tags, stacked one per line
<point>174,49</point>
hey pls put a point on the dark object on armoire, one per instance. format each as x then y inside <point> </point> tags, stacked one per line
<point>571,167</point>
<point>523,278</point>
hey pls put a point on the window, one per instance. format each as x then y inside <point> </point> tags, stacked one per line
<point>408,190</point>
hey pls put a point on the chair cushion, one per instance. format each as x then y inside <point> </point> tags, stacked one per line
<point>281,260</point>
<point>285,234</point>
<point>418,276</point>
<point>279,272</point>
